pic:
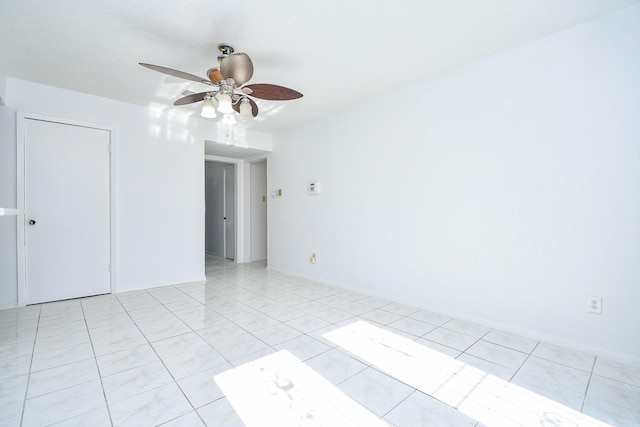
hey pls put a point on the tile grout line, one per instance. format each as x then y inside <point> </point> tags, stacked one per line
<point>175,381</point>
<point>95,359</point>
<point>33,348</point>
<point>586,391</point>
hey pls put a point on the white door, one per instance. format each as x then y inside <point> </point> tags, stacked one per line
<point>229,212</point>
<point>67,211</point>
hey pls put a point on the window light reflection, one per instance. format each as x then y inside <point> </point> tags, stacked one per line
<point>280,390</point>
<point>477,394</point>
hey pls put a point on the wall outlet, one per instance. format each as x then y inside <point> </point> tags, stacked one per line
<point>313,188</point>
<point>313,259</point>
<point>594,305</point>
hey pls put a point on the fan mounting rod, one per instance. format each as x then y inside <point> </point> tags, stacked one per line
<point>225,49</point>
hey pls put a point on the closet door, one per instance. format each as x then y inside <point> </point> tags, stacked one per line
<point>67,211</point>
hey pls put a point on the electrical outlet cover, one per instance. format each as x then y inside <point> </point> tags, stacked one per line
<point>594,305</point>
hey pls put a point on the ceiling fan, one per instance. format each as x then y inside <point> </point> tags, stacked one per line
<point>226,81</point>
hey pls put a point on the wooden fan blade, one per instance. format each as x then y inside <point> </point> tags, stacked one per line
<point>254,107</point>
<point>237,66</point>
<point>176,73</point>
<point>190,99</point>
<point>215,75</point>
<point>273,92</point>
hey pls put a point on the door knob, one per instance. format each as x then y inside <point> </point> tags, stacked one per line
<point>32,222</point>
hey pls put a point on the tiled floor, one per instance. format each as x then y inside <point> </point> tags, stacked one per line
<point>261,348</point>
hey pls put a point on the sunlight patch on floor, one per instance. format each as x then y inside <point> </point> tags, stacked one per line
<point>280,390</point>
<point>477,394</point>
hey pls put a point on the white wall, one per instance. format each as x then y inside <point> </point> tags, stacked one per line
<point>258,210</point>
<point>3,89</point>
<point>505,191</point>
<point>159,155</point>
<point>8,269</point>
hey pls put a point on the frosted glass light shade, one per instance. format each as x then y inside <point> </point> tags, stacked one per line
<point>224,104</point>
<point>208,109</point>
<point>245,109</point>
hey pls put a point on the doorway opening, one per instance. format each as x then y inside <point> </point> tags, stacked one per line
<point>246,224</point>
<point>220,209</point>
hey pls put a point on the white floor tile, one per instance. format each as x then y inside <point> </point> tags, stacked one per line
<point>150,408</point>
<point>59,360</point>
<point>434,318</point>
<point>119,361</point>
<point>335,315</point>
<point>307,323</point>
<point>280,390</point>
<point>616,392</point>
<point>443,349</point>
<point>187,354</point>
<point>420,409</point>
<point>129,383</point>
<point>12,393</point>
<point>412,326</point>
<point>303,347</point>
<point>63,404</point>
<point>336,366</point>
<point>96,418</point>
<point>509,340</point>
<point>61,356</point>
<point>255,322</point>
<point>277,334</point>
<point>199,318</point>
<point>157,329</point>
<point>192,419</point>
<point>490,368</point>
<point>61,377</point>
<point>450,338</point>
<point>240,346</point>
<point>15,366</point>
<point>61,328</point>
<point>119,339</point>
<point>554,381</point>
<point>201,388</point>
<point>497,354</point>
<point>573,358</point>
<point>220,414</point>
<point>380,316</point>
<point>285,313</point>
<point>376,391</point>
<point>401,309</point>
<point>617,371</point>
<point>60,341</point>
<point>612,414</point>
<point>468,328</point>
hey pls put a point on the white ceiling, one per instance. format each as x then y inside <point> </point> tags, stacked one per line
<point>335,52</point>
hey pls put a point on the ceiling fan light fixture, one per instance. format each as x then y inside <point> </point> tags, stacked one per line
<point>208,109</point>
<point>224,104</point>
<point>226,84</point>
<point>228,119</point>
<point>245,109</point>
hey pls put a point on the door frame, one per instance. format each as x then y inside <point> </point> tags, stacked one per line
<point>225,237</point>
<point>21,120</point>
<point>239,213</point>
<point>243,192</point>
<point>249,208</point>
